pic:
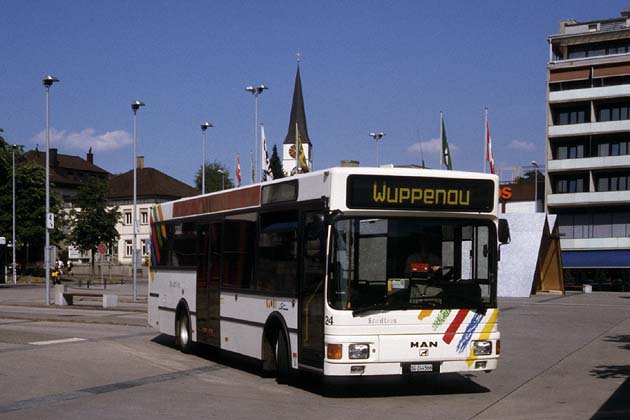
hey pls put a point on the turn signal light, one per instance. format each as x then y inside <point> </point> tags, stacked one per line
<point>334,351</point>
<point>498,347</point>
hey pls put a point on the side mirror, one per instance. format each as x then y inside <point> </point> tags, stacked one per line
<point>504,231</point>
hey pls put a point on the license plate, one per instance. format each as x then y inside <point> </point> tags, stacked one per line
<point>420,367</point>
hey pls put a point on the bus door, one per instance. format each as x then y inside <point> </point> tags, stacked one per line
<point>208,271</point>
<point>311,290</point>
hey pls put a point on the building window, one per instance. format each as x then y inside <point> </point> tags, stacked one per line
<point>615,112</point>
<point>144,217</point>
<point>145,247</point>
<point>594,225</point>
<point>571,184</point>
<point>571,116</point>
<point>574,151</point>
<point>128,248</point>
<point>613,182</point>
<point>127,217</point>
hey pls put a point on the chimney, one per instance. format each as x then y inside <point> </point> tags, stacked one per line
<point>139,162</point>
<point>54,160</point>
<point>90,156</point>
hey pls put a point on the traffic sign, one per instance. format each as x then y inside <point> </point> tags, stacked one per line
<point>102,248</point>
<point>50,221</point>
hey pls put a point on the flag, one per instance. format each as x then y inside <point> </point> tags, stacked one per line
<point>266,165</point>
<point>238,170</point>
<point>446,154</point>
<point>301,165</point>
<point>489,155</point>
<point>251,165</point>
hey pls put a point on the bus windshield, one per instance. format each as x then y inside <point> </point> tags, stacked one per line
<point>404,263</point>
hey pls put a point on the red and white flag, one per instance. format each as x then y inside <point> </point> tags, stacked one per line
<point>489,155</point>
<point>238,170</point>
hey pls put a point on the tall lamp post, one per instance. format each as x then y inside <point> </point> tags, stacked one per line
<point>135,106</point>
<point>13,240</point>
<point>222,172</point>
<point>536,167</point>
<point>204,127</point>
<point>48,82</point>
<point>377,137</point>
<point>256,91</point>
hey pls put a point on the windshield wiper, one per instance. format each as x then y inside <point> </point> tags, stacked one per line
<point>381,306</point>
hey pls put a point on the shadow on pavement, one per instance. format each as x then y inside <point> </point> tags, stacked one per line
<point>623,339</point>
<point>356,387</point>
<point>618,405</point>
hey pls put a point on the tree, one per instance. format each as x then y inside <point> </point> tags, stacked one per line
<point>92,223</point>
<point>529,177</point>
<point>276,164</point>
<point>214,178</point>
<point>30,197</point>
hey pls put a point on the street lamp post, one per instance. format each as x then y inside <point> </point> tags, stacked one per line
<point>48,82</point>
<point>256,91</point>
<point>13,240</point>
<point>535,164</point>
<point>377,137</point>
<point>204,127</point>
<point>134,258</point>
<point>222,172</point>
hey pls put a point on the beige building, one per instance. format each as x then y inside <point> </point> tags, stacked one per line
<point>588,148</point>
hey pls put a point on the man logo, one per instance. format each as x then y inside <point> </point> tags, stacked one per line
<point>424,344</point>
<point>424,353</point>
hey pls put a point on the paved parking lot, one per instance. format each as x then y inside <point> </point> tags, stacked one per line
<point>563,357</point>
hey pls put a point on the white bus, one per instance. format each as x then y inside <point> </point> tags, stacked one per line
<point>343,272</point>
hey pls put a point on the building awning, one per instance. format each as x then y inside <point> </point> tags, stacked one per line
<point>596,259</point>
<point>611,71</point>
<point>556,76</point>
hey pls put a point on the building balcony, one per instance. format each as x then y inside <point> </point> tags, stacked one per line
<point>607,162</point>
<point>589,128</point>
<point>587,94</point>
<point>588,199</point>
<point>594,244</point>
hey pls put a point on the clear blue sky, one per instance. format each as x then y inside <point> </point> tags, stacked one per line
<point>368,65</point>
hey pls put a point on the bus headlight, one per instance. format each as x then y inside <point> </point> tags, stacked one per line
<point>482,348</point>
<point>359,351</point>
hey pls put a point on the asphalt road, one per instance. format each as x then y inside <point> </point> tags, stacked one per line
<point>562,358</point>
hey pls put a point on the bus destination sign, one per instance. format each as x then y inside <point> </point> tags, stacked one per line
<point>420,193</point>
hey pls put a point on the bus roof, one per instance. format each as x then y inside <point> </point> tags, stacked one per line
<point>304,187</point>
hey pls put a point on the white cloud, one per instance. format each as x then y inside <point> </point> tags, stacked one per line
<point>521,145</point>
<point>431,147</point>
<point>84,139</point>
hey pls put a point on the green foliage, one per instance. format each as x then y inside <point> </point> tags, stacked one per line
<point>529,177</point>
<point>93,223</point>
<point>276,164</point>
<point>214,178</point>
<point>30,198</point>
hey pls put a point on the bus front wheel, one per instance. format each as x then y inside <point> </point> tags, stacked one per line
<point>183,336</point>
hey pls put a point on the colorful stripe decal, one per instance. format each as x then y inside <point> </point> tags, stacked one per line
<point>470,329</point>
<point>442,315</point>
<point>484,335</point>
<point>424,313</point>
<point>455,324</point>
<point>160,218</point>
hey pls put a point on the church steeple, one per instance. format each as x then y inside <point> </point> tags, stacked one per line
<point>298,115</point>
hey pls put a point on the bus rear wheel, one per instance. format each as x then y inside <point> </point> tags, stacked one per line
<point>183,336</point>
<point>283,364</point>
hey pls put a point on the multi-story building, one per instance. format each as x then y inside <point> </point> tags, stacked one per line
<point>588,148</point>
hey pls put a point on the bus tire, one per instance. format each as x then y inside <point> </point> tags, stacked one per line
<point>283,361</point>
<point>183,335</point>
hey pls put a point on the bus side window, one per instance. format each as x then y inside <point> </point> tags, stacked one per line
<point>238,254</point>
<point>277,252</point>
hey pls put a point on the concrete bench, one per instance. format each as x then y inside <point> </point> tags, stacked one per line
<point>63,297</point>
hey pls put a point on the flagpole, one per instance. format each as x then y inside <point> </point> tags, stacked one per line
<point>485,143</point>
<point>441,140</point>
